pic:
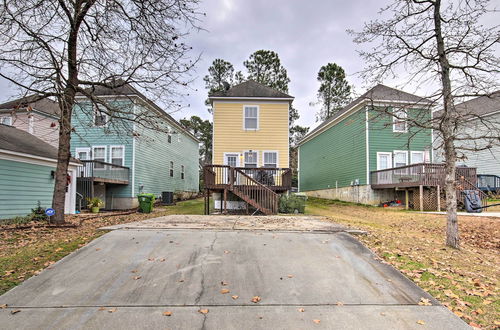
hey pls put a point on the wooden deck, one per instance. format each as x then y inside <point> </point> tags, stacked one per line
<point>258,187</point>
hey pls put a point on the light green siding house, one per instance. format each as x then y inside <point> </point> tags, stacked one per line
<point>27,165</point>
<point>123,158</point>
<point>336,158</point>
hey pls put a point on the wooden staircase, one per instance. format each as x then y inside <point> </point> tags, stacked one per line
<point>243,183</point>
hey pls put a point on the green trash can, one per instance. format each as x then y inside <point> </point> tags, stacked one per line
<point>146,202</point>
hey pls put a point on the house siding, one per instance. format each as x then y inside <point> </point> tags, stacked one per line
<point>336,157</point>
<point>230,136</point>
<point>29,183</point>
<point>382,138</point>
<point>41,126</point>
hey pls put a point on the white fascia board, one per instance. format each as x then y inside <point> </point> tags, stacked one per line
<point>32,159</point>
<point>251,98</point>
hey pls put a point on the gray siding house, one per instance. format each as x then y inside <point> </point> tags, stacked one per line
<point>123,158</point>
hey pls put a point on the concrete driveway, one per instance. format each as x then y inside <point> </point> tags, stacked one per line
<point>231,274</point>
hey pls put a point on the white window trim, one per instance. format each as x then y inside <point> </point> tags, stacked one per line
<point>394,119</point>
<point>87,150</point>
<point>238,156</point>
<point>94,111</point>
<point>277,157</point>
<point>405,152</point>
<point>111,154</point>
<point>9,117</point>
<point>31,124</point>
<point>383,153</point>
<point>105,152</point>
<point>417,152</point>
<point>258,117</point>
<point>256,151</point>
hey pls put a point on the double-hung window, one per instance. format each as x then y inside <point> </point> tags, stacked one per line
<point>100,118</point>
<point>182,172</point>
<point>117,155</point>
<point>417,157</point>
<point>99,155</point>
<point>400,159</point>
<point>172,169</point>
<point>251,117</point>
<point>169,138</point>
<point>270,159</point>
<point>250,158</point>
<point>6,120</point>
<point>399,123</point>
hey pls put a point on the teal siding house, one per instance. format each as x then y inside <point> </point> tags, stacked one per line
<point>27,165</point>
<point>122,158</point>
<point>339,159</point>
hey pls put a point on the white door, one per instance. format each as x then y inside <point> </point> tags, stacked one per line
<point>384,161</point>
<point>232,160</point>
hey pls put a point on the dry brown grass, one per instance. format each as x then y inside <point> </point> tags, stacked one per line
<point>465,280</point>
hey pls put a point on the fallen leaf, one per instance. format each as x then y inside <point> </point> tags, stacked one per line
<point>339,303</point>
<point>382,313</point>
<point>162,259</point>
<point>224,291</point>
<point>487,302</point>
<point>234,297</point>
<point>223,283</point>
<point>226,252</point>
<point>424,302</point>
<point>151,259</point>
<point>317,321</point>
<point>479,311</point>
<point>3,306</point>
<point>137,277</point>
<point>290,276</point>
<point>167,313</point>
<point>256,299</point>
<point>102,308</point>
<point>475,325</point>
<point>181,280</point>
<point>95,249</point>
<point>15,311</point>
<point>203,311</point>
<point>421,322</point>
<point>459,314</point>
<point>134,271</point>
<point>302,310</point>
<point>112,310</point>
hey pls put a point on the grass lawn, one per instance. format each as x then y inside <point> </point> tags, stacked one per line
<point>466,280</point>
<point>25,252</point>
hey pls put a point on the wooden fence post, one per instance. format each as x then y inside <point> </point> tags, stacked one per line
<point>439,198</point>
<point>421,193</point>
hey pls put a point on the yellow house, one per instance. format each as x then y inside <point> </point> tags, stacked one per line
<point>250,148</point>
<point>251,126</point>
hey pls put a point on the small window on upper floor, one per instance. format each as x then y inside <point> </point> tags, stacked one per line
<point>100,118</point>
<point>6,120</point>
<point>169,138</point>
<point>182,172</point>
<point>251,117</point>
<point>172,169</point>
<point>399,123</point>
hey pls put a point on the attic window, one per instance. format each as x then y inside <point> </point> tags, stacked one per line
<point>7,120</point>
<point>251,117</point>
<point>399,123</point>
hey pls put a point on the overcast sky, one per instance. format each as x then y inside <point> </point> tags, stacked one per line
<point>305,34</point>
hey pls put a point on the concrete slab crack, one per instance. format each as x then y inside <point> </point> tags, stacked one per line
<point>202,270</point>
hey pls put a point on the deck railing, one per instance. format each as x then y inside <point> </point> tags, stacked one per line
<point>489,183</point>
<point>219,176</point>
<point>425,174</point>
<point>94,169</point>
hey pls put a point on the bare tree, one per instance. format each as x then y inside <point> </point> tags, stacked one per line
<point>62,48</point>
<point>450,51</point>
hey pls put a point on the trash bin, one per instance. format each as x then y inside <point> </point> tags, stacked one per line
<point>146,202</point>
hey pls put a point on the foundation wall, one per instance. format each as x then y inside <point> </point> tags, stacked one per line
<point>358,194</point>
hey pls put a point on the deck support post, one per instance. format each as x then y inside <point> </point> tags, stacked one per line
<point>421,197</point>
<point>407,199</point>
<point>439,198</point>
<point>225,201</point>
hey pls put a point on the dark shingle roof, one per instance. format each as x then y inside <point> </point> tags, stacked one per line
<point>17,140</point>
<point>377,93</point>
<point>45,105</point>
<point>480,106</point>
<point>250,88</point>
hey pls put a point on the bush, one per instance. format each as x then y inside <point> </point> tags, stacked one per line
<point>38,213</point>
<point>292,204</point>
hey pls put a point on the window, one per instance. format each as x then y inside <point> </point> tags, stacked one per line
<point>251,117</point>
<point>417,157</point>
<point>117,155</point>
<point>169,138</point>
<point>399,121</point>
<point>100,118</point>
<point>182,172</point>
<point>99,154</point>
<point>172,169</point>
<point>7,120</point>
<point>270,159</point>
<point>250,158</point>
<point>400,158</point>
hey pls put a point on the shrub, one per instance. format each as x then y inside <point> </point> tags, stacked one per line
<point>38,213</point>
<point>292,204</point>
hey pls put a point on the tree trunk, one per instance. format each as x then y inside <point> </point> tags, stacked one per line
<point>447,124</point>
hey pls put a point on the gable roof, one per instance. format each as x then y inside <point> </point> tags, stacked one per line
<point>17,140</point>
<point>481,105</point>
<point>44,105</point>
<point>250,89</point>
<point>125,89</point>
<point>378,93</point>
